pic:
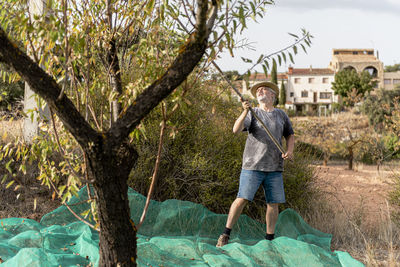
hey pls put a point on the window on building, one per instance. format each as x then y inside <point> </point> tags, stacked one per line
<point>325,80</point>
<point>387,81</point>
<point>370,52</point>
<point>355,53</point>
<point>336,53</point>
<point>291,94</point>
<point>304,93</point>
<point>311,80</point>
<point>396,81</point>
<point>325,95</point>
<point>296,80</point>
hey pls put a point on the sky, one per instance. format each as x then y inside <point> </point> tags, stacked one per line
<point>333,23</point>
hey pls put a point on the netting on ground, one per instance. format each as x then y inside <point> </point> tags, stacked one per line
<point>175,233</point>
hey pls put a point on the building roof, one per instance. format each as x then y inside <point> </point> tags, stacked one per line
<point>392,75</point>
<point>262,77</point>
<point>312,71</point>
<point>356,58</point>
<point>354,55</point>
<point>345,50</point>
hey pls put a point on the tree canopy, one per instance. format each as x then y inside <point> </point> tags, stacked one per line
<point>392,68</point>
<point>352,86</point>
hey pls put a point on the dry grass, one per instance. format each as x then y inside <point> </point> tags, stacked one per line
<point>375,244</point>
<point>10,130</point>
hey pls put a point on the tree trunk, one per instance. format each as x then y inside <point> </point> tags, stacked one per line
<point>115,79</point>
<point>350,158</point>
<point>110,169</point>
<point>326,159</point>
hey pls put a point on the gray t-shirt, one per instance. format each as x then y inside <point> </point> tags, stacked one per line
<point>260,153</point>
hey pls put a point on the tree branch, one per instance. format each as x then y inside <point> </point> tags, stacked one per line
<point>190,54</point>
<point>46,87</point>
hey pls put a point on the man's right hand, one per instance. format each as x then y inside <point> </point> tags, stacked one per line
<point>245,105</point>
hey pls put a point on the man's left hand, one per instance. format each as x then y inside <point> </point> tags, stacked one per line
<point>288,155</point>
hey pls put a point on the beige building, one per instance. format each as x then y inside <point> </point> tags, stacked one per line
<point>360,60</point>
<point>364,60</point>
<point>391,80</point>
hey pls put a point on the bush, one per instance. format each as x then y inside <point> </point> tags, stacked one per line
<point>378,149</point>
<point>379,108</point>
<point>299,177</point>
<point>202,163</point>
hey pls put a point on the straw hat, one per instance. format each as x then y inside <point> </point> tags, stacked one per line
<point>270,85</point>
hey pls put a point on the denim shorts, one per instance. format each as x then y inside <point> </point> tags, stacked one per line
<point>272,183</point>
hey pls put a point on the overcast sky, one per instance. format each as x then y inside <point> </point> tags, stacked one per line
<point>333,23</point>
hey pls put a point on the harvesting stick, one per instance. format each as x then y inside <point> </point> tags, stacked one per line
<point>277,144</point>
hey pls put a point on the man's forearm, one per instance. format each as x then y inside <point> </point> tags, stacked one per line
<point>239,123</point>
<point>290,143</point>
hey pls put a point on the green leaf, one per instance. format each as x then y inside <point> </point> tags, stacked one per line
<point>150,6</point>
<point>302,46</point>
<point>22,168</point>
<point>5,176</point>
<point>247,60</point>
<point>260,59</point>
<point>266,63</point>
<point>61,189</point>
<point>162,11</point>
<point>253,8</point>
<point>65,196</point>
<point>8,165</point>
<point>85,213</point>
<point>295,49</point>
<point>291,58</point>
<point>265,70</point>
<point>10,184</point>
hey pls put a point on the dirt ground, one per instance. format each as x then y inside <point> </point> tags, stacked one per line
<point>364,188</point>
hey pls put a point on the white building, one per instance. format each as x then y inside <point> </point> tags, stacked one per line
<point>310,90</point>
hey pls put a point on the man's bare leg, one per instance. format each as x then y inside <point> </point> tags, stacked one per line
<point>235,211</point>
<point>271,217</point>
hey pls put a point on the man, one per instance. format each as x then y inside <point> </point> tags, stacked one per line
<point>262,160</point>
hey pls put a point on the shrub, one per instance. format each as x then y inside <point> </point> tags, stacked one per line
<point>379,108</point>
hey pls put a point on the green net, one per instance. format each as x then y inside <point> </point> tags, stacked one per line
<point>175,233</point>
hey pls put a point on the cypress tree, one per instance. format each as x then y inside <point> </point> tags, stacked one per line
<point>274,74</point>
<point>274,79</point>
<point>282,95</point>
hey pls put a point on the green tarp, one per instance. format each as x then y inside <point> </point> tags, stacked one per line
<point>175,233</point>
